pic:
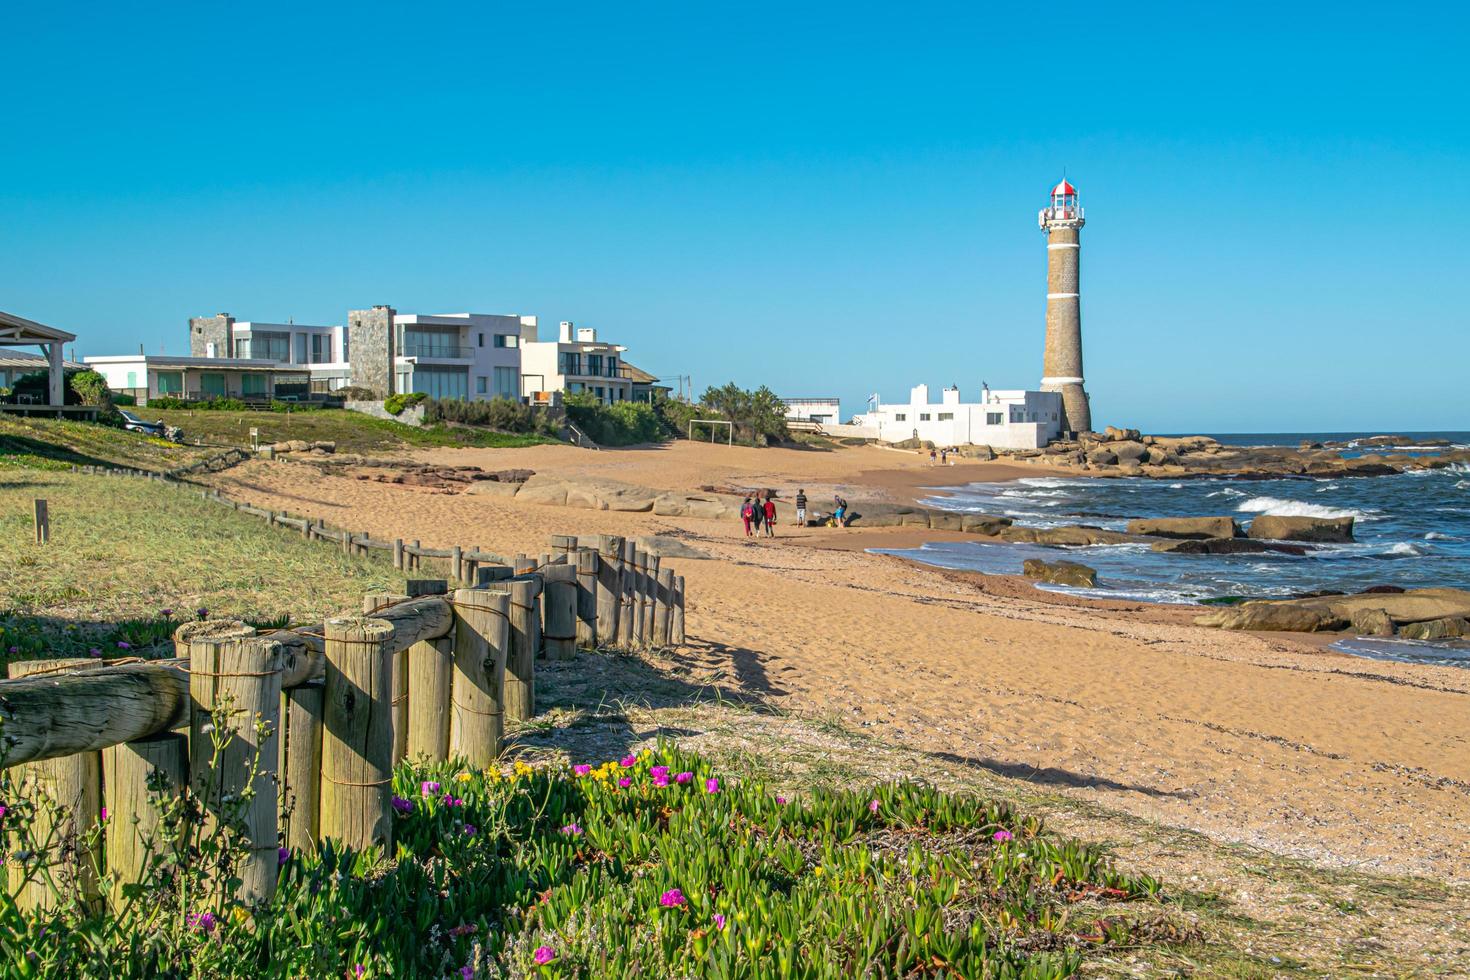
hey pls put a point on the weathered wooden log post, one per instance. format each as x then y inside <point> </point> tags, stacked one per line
<point>559,611</point>
<point>357,737</point>
<point>235,719</point>
<point>663,608</point>
<point>73,783</point>
<point>398,553</point>
<point>371,603</point>
<point>676,613</point>
<point>523,565</point>
<point>628,613</point>
<point>640,592</point>
<point>456,565</point>
<point>525,639</point>
<point>301,765</point>
<point>586,592</point>
<point>563,544</point>
<point>139,775</point>
<point>430,671</point>
<point>43,521</point>
<point>650,601</point>
<point>415,559</point>
<point>609,588</point>
<point>477,705</point>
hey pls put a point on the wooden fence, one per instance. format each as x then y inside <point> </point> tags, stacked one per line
<point>327,710</point>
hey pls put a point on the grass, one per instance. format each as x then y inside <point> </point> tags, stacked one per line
<point>122,550</point>
<point>37,443</point>
<point>353,432</point>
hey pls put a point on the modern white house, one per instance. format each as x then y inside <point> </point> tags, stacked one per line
<point>1002,419</point>
<point>573,363</point>
<point>819,410</point>
<point>461,355</point>
<point>321,350</point>
<point>147,376</point>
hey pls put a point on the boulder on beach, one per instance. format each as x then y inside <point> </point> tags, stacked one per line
<point>1372,622</point>
<point>982,453</point>
<point>1073,535</point>
<point>664,546</point>
<point>709,507</point>
<point>1060,572</point>
<point>1436,629</point>
<point>493,488</point>
<point>1288,617</point>
<point>1405,609</point>
<point>1114,434</point>
<point>984,523</point>
<point>1186,527</point>
<point>541,489</point>
<point>1226,546</point>
<point>1102,457</point>
<point>1272,527</point>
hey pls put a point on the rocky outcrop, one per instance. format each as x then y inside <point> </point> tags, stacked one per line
<point>1408,612</point>
<point>983,524</point>
<point>707,507</point>
<point>1060,572</point>
<point>1186,527</point>
<point>663,546</point>
<point>1372,622</point>
<point>1273,616</point>
<point>1319,529</point>
<point>1070,535</point>
<point>1226,546</point>
<point>1436,629</point>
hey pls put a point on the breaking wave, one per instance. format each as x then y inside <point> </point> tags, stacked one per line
<point>1278,507</point>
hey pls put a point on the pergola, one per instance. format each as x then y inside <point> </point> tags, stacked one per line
<point>17,331</point>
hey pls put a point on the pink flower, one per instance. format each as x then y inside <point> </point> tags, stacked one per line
<point>1001,836</point>
<point>872,806</point>
<point>712,785</point>
<point>572,830</point>
<point>452,800</point>
<point>581,770</point>
<point>658,771</point>
<point>201,921</point>
<point>104,813</point>
<point>625,782</point>
<point>3,810</point>
<point>359,970</point>
<point>671,899</point>
<point>684,777</point>
<point>544,955</point>
<point>781,800</point>
<point>402,805</point>
<point>428,789</point>
<point>719,921</point>
<point>661,779</point>
<point>628,761</point>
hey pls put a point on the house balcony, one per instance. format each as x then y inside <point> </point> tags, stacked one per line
<point>437,352</point>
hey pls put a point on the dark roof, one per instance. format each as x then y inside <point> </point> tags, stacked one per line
<point>637,375</point>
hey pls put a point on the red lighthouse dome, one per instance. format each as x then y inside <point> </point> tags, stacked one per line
<point>1064,188</point>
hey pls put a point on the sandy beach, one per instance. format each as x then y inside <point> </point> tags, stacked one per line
<point>1266,739</point>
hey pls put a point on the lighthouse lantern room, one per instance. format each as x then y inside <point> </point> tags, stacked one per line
<point>1063,206</point>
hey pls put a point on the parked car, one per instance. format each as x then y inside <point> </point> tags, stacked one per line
<point>132,423</point>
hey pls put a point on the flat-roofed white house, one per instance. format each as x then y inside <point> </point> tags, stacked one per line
<point>461,355</point>
<point>577,362</point>
<point>1002,419</point>
<point>149,376</point>
<point>819,410</point>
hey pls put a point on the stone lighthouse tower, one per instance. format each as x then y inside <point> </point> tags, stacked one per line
<point>1062,366</point>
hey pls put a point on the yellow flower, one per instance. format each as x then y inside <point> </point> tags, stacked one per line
<point>817,870</point>
<point>239,915</point>
<point>464,777</point>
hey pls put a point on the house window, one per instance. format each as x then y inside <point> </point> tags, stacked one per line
<point>264,346</point>
<point>504,340</point>
<point>481,340</point>
<point>169,382</point>
<point>946,416</point>
<point>418,342</point>
<point>212,385</point>
<point>923,416</point>
<point>569,362</point>
<point>900,417</point>
<point>993,418</point>
<point>321,348</point>
<point>507,383</point>
<point>441,382</point>
<point>252,383</point>
<point>482,383</point>
<point>594,365</point>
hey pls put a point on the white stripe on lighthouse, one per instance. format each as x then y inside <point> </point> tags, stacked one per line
<point>1063,245</point>
<point>1061,381</point>
<point>1061,295</point>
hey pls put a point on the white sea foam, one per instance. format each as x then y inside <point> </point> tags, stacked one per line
<point>1176,486</point>
<point>1278,507</point>
<point>1227,492</point>
<point>1405,550</point>
<point>1440,536</point>
<point>1330,486</point>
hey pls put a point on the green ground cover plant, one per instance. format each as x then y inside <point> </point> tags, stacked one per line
<point>353,432</point>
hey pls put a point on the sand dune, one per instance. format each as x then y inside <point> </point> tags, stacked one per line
<point>1262,739</point>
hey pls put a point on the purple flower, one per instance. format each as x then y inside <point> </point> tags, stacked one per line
<point>872,806</point>
<point>94,652</point>
<point>165,613</point>
<point>466,971</point>
<point>712,785</point>
<point>781,800</point>
<point>427,788</point>
<point>1001,836</point>
<point>202,921</point>
<point>452,800</point>
<point>15,649</point>
<point>283,854</point>
<point>672,899</point>
<point>719,921</point>
<point>402,805</point>
<point>124,645</point>
<point>104,813</point>
<point>470,830</point>
<point>658,771</point>
<point>581,770</point>
<point>628,761</point>
<point>572,830</point>
<point>358,970</point>
<point>544,955</point>
<point>3,810</point>
<point>661,780</point>
<point>625,782</point>
<point>202,612</point>
<point>684,777</point>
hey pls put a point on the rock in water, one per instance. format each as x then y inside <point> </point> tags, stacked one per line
<point>1226,546</point>
<point>1436,629</point>
<point>1060,572</point>
<point>1274,616</point>
<point>1332,530</point>
<point>1372,622</point>
<point>1186,527</point>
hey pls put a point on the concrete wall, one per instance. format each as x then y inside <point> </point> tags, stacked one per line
<point>409,416</point>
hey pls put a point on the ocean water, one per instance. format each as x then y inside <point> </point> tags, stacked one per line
<point>1412,530</point>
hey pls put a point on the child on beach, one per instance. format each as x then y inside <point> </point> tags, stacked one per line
<point>801,508</point>
<point>840,512</point>
<point>770,517</point>
<point>747,514</point>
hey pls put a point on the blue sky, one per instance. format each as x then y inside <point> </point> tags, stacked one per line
<point>822,198</point>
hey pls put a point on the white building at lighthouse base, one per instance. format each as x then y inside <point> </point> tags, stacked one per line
<point>1001,419</point>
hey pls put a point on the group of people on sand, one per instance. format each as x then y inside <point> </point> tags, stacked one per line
<point>758,513</point>
<point>942,457</point>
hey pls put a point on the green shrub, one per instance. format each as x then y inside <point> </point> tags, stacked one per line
<point>618,424</point>
<point>396,404</point>
<point>759,416</point>
<point>163,402</point>
<point>657,866</point>
<point>501,414</point>
<point>124,400</point>
<point>80,386</point>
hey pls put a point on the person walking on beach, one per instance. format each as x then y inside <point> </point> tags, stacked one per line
<point>840,511</point>
<point>747,514</point>
<point>770,517</point>
<point>801,508</point>
<point>757,514</point>
<point>931,457</point>
<point>943,457</point>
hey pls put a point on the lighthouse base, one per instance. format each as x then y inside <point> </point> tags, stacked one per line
<point>1076,408</point>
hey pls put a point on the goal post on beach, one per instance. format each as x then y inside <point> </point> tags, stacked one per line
<point>729,429</point>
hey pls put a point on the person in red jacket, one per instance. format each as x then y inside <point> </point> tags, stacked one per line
<point>747,514</point>
<point>770,509</point>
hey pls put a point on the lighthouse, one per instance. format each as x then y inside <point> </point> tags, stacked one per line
<point>1062,221</point>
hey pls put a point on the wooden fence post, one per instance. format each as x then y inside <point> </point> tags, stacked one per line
<point>640,593</point>
<point>676,614</point>
<point>559,618</point>
<point>456,565</point>
<point>235,683</point>
<point>477,705</point>
<point>398,553</point>
<point>347,542</point>
<point>650,601</point>
<point>416,559</point>
<point>357,736</point>
<point>628,614</point>
<point>371,603</point>
<point>609,588</point>
<point>525,638</point>
<point>663,606</point>
<point>135,773</point>
<point>586,587</point>
<point>43,521</point>
<point>430,670</point>
<point>74,785</point>
<point>301,765</point>
<point>563,544</point>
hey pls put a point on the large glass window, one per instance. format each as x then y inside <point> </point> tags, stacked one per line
<point>301,348</point>
<point>569,362</point>
<point>594,365</point>
<point>612,366</point>
<point>169,382</point>
<point>432,343</point>
<point>441,382</point>
<point>263,345</point>
<point>507,340</point>
<point>994,418</point>
<point>252,383</point>
<point>321,348</point>
<point>212,385</point>
<point>482,385</point>
<point>507,383</point>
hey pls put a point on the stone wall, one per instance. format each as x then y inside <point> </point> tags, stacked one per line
<point>206,330</point>
<point>409,416</point>
<point>370,339</point>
